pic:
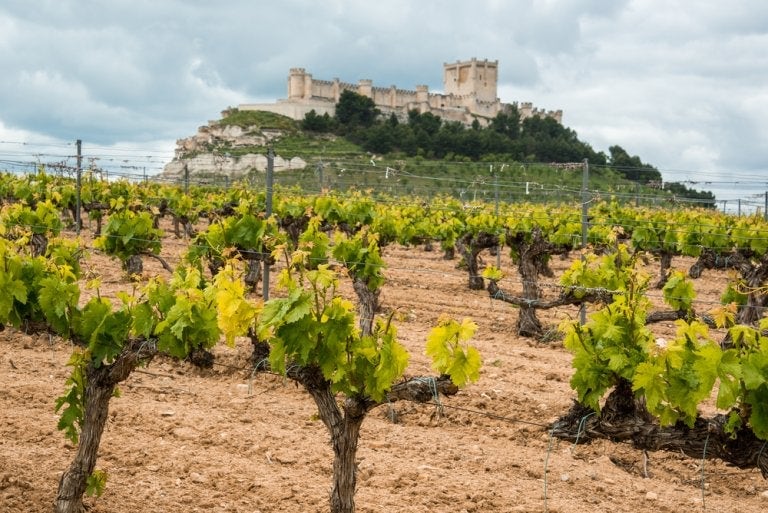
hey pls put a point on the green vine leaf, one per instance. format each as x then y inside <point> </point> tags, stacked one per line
<point>446,345</point>
<point>96,483</point>
<point>71,403</point>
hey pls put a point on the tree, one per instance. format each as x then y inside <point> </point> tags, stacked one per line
<point>313,122</point>
<point>507,123</point>
<point>631,167</point>
<point>355,111</point>
<point>427,121</point>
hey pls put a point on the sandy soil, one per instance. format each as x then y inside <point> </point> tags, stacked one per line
<point>180,439</point>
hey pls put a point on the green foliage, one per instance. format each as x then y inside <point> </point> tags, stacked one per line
<point>256,120</point>
<point>58,298</point>
<point>493,273</point>
<point>315,243</point>
<point>379,361</point>
<point>34,289</point>
<point>673,377</point>
<point>129,233</point>
<point>313,326</point>
<point>96,483</point>
<point>631,166</point>
<point>65,252</point>
<point>71,419</point>
<point>615,340</point>
<point>611,271</point>
<point>678,375</point>
<point>246,232</point>
<point>446,345</point>
<point>103,329</point>
<point>313,122</point>
<point>360,255</point>
<point>14,291</point>
<point>236,315</point>
<point>752,347</point>
<point>678,292</point>
<point>185,311</point>
<point>42,219</point>
<point>355,110</point>
<point>180,315</point>
<point>733,294</point>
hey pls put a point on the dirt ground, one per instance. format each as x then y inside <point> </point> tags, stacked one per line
<point>180,439</point>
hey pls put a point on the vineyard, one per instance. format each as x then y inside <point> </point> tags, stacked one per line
<point>379,311</point>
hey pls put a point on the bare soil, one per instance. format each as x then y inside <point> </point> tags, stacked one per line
<point>181,439</point>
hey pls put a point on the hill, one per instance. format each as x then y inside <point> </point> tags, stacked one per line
<point>538,158</point>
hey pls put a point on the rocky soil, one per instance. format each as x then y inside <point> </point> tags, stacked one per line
<point>181,439</point>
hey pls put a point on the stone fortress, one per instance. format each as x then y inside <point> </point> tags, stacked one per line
<point>469,94</point>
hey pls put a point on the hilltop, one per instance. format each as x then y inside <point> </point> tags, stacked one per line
<point>423,155</point>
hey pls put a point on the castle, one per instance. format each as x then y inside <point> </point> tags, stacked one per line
<point>469,94</point>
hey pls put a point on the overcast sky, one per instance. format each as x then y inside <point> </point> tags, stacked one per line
<point>683,85</point>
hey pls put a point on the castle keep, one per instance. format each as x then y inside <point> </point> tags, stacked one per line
<point>469,93</point>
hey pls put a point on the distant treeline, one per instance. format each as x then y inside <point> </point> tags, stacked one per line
<point>505,138</point>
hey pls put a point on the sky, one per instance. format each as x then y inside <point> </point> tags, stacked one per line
<point>681,84</point>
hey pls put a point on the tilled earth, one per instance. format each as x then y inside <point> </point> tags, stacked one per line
<point>181,439</point>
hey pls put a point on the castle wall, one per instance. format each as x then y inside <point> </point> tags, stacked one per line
<point>470,93</point>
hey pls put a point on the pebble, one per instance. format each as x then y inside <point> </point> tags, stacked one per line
<point>764,495</point>
<point>565,477</point>
<point>197,478</point>
<point>651,496</point>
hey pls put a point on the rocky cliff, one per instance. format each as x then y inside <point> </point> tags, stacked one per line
<point>227,150</point>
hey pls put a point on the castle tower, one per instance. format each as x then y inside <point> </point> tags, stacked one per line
<point>365,87</point>
<point>298,83</point>
<point>471,78</point>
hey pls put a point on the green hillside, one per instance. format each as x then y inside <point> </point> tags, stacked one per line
<point>536,159</point>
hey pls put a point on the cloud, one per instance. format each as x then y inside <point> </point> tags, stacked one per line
<point>678,85</point>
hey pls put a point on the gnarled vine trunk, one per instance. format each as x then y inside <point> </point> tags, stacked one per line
<point>470,245</point>
<point>665,261</point>
<point>344,423</point>
<point>99,389</point>
<point>134,266</point>
<point>39,244</point>
<point>253,273</point>
<point>183,221</point>
<point>367,306</point>
<point>344,427</point>
<point>625,419</point>
<point>533,257</point>
<point>754,274</point>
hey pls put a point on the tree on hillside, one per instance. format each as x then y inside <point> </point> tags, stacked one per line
<point>355,111</point>
<point>631,167</point>
<point>313,122</point>
<point>426,121</point>
<point>507,122</point>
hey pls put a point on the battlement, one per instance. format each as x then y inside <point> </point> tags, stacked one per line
<point>470,89</point>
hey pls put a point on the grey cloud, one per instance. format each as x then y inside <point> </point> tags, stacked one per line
<point>677,83</point>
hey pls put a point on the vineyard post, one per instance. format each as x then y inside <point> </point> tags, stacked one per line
<point>186,178</point>
<point>584,227</point>
<point>79,144</point>
<point>496,209</point>
<point>268,213</point>
<point>320,174</point>
<point>765,210</point>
